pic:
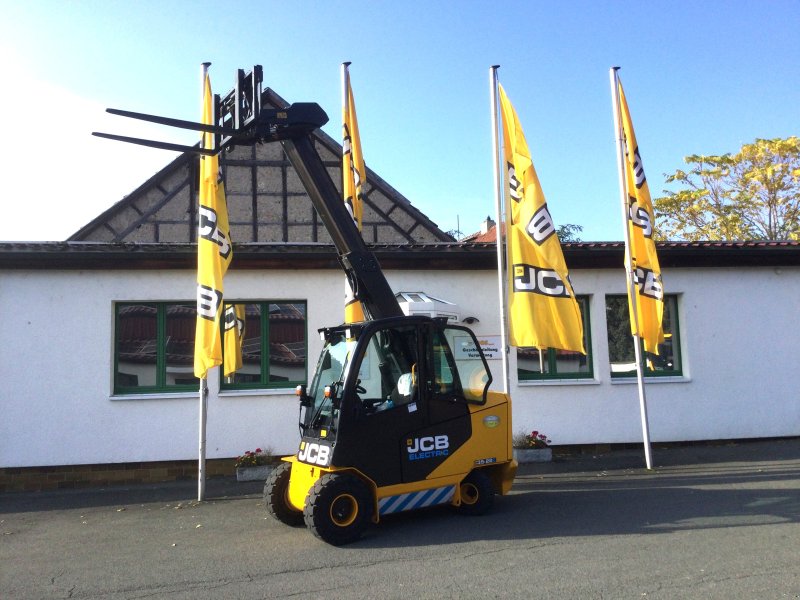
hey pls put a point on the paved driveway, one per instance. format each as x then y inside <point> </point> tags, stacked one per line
<point>707,522</point>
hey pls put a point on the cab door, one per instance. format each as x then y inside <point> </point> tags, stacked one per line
<point>388,404</point>
<point>448,425</point>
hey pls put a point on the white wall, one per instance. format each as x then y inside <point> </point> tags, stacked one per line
<point>738,331</point>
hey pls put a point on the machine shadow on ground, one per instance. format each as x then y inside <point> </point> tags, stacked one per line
<point>614,503</point>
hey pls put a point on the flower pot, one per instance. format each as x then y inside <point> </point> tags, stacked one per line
<point>529,455</point>
<point>259,473</point>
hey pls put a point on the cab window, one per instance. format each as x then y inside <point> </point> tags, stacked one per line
<point>388,375</point>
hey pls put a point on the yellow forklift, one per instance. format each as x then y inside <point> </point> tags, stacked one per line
<point>398,415</point>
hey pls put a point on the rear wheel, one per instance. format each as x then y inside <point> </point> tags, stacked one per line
<point>276,496</point>
<point>477,494</point>
<point>338,508</point>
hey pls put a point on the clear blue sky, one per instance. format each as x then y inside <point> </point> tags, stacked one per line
<point>701,77</point>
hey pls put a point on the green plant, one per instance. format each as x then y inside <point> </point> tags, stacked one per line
<point>534,439</point>
<point>253,458</point>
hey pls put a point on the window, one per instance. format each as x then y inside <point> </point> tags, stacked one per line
<point>538,365</point>
<point>466,369</point>
<point>273,348</point>
<point>389,371</point>
<point>154,347</point>
<point>620,342</point>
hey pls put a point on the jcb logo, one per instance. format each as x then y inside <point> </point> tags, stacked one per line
<point>513,183</point>
<point>208,230</point>
<point>547,282</point>
<point>638,169</point>
<point>232,321</point>
<point>427,444</point>
<point>635,165</point>
<point>316,454</point>
<point>208,301</point>
<point>649,283</point>
<point>640,217</point>
<point>541,226</point>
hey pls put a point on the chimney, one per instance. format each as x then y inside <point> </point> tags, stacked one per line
<point>487,225</point>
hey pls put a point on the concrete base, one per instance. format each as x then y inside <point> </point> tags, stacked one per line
<point>259,473</point>
<point>529,455</point>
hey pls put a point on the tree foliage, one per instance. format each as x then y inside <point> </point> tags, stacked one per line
<point>751,195</point>
<point>569,232</point>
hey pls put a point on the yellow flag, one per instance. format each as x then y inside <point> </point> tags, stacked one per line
<point>354,175</point>
<point>543,312</point>
<point>234,334</point>
<point>649,298</point>
<point>214,252</point>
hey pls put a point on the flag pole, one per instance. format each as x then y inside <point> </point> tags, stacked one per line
<point>201,460</point>
<point>345,77</point>
<point>498,200</point>
<point>631,280</point>
<point>348,290</point>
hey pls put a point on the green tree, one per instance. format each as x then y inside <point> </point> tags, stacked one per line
<point>569,232</point>
<point>751,195</point>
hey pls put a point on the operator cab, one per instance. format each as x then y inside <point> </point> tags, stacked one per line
<point>391,397</point>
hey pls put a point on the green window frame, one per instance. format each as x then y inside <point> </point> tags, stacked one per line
<point>275,349</point>
<point>154,347</point>
<point>621,356</point>
<point>551,363</point>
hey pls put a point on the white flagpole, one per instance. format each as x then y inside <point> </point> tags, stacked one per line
<point>201,461</point>
<point>631,280</point>
<point>345,78</point>
<point>348,290</point>
<point>498,199</point>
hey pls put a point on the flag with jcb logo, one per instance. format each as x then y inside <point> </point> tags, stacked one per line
<point>233,337</point>
<point>649,297</point>
<point>354,175</point>
<point>543,312</point>
<point>214,251</point>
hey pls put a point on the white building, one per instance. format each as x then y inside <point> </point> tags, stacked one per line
<point>97,332</point>
<point>68,397</point>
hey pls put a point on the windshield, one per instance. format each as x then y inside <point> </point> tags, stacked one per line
<point>331,371</point>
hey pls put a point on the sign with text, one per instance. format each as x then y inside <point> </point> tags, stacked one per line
<point>465,347</point>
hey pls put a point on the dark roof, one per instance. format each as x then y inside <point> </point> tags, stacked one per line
<point>454,255</point>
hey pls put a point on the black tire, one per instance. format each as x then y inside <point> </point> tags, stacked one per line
<point>276,491</point>
<point>477,494</point>
<point>338,508</point>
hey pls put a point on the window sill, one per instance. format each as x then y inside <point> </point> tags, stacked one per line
<point>195,394</point>
<point>648,380</point>
<point>155,396</point>
<point>542,382</point>
<point>256,392</point>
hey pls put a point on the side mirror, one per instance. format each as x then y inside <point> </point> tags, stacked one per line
<point>332,393</point>
<point>300,392</point>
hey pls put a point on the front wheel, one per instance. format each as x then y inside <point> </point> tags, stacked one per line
<point>338,508</point>
<point>276,496</point>
<point>477,494</point>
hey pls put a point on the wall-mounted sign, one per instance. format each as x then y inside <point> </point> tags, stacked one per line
<point>465,347</point>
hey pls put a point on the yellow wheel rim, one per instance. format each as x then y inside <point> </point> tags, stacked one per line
<point>344,510</point>
<point>469,493</point>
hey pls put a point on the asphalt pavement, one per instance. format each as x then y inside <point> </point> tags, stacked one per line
<point>718,521</point>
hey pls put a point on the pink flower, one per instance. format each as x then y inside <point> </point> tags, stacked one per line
<point>258,450</point>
